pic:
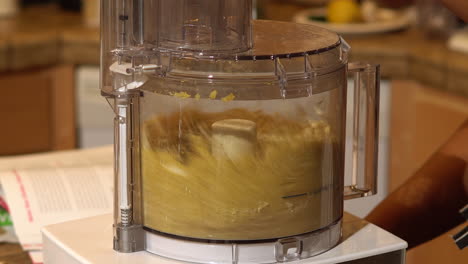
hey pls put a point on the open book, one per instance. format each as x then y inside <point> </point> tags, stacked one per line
<point>44,189</point>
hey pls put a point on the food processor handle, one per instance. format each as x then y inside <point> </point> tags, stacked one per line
<point>365,130</point>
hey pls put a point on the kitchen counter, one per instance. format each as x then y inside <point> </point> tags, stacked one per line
<point>13,254</point>
<point>45,35</point>
<point>410,55</point>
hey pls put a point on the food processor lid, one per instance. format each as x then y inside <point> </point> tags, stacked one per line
<point>225,28</point>
<point>283,50</point>
<point>269,40</point>
<point>275,39</point>
<point>209,40</point>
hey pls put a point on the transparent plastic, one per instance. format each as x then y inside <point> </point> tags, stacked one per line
<point>365,130</point>
<point>282,250</point>
<point>132,29</point>
<point>231,131</point>
<point>206,25</point>
<point>242,161</point>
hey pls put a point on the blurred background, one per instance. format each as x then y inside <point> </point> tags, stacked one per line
<point>49,75</point>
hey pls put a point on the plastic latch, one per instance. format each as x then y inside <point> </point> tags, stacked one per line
<point>288,249</point>
<point>128,69</point>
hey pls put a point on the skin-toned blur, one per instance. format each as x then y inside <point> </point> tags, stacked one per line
<point>459,7</point>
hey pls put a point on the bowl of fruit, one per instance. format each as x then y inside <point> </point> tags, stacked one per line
<point>352,17</point>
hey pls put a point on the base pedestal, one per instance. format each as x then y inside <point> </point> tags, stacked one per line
<point>90,241</point>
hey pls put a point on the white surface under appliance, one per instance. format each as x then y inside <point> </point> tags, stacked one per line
<point>88,241</point>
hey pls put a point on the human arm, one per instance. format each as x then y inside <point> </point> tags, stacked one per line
<point>427,204</point>
<point>459,7</point>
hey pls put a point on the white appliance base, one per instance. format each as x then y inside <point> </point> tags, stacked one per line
<point>90,241</point>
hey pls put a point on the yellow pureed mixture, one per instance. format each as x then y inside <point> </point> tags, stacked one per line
<point>233,175</point>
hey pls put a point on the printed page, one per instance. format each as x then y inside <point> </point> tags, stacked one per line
<point>38,197</point>
<point>60,159</point>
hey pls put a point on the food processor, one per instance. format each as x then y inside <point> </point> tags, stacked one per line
<point>230,132</point>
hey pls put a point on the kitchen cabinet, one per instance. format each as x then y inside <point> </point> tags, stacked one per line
<point>422,119</point>
<point>37,112</point>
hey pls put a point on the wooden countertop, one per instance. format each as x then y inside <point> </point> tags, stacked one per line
<point>411,55</point>
<point>13,254</point>
<point>45,35</point>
